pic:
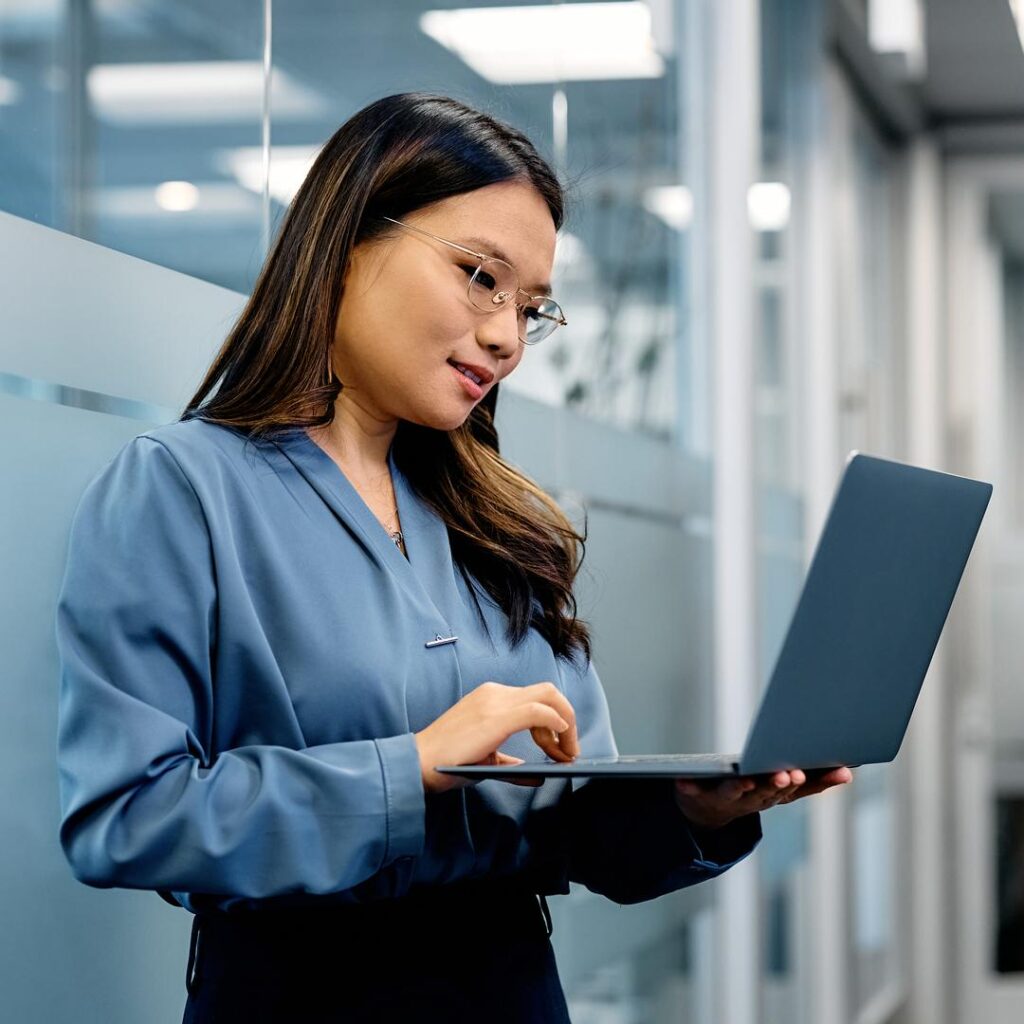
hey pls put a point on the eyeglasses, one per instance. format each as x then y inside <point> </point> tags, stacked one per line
<point>494,282</point>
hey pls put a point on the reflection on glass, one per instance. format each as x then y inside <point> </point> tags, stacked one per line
<point>113,116</point>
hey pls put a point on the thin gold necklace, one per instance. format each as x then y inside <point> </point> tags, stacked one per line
<point>396,535</point>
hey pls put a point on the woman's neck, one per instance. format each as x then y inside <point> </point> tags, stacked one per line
<point>360,440</point>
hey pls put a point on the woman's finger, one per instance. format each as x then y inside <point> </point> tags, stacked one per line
<point>526,780</point>
<point>546,692</point>
<point>747,794</point>
<point>768,791</point>
<point>797,779</point>
<point>733,790</point>
<point>813,788</point>
<point>767,797</point>
<point>836,777</point>
<point>764,791</point>
<point>547,739</point>
<point>759,792</point>
<point>789,795</point>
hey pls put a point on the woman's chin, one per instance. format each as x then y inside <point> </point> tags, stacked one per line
<point>449,419</point>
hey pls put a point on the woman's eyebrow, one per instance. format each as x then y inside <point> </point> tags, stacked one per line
<point>492,249</point>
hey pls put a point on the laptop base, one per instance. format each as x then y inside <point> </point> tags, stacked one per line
<point>634,766</point>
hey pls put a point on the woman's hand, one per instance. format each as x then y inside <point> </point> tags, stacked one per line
<point>471,731</point>
<point>714,803</point>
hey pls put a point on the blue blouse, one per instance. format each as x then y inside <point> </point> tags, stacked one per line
<point>244,662</point>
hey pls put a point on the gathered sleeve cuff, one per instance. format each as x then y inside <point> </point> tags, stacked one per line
<point>628,840</point>
<point>405,796</point>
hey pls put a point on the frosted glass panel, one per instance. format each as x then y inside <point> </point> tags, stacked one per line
<point>69,953</point>
<point>82,316</point>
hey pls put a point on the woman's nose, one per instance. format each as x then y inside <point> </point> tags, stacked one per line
<point>499,331</point>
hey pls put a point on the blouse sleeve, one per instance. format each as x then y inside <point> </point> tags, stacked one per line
<point>143,804</point>
<point>627,839</point>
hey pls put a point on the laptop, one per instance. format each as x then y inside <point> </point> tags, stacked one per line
<point>875,599</point>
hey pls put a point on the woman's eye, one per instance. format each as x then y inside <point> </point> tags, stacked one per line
<point>483,279</point>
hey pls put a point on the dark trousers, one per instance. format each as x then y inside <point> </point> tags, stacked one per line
<point>460,953</point>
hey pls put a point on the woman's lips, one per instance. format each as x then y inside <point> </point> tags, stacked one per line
<point>471,387</point>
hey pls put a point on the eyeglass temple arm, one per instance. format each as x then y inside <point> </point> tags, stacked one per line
<point>437,238</point>
<point>560,320</point>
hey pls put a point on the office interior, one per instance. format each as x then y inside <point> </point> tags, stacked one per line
<point>796,228</point>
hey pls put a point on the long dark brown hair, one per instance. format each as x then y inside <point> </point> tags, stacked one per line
<point>396,155</point>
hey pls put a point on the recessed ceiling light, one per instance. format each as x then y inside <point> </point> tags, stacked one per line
<point>768,205</point>
<point>10,91</point>
<point>289,166</point>
<point>897,27</point>
<point>1017,10</point>
<point>672,203</point>
<point>572,260</point>
<point>550,42</point>
<point>195,92</point>
<point>176,195</point>
<point>216,200</point>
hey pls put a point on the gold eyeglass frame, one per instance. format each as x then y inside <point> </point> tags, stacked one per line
<point>559,321</point>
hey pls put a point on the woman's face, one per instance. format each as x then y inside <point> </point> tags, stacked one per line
<point>405,311</point>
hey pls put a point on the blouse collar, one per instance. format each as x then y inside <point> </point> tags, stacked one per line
<point>428,570</point>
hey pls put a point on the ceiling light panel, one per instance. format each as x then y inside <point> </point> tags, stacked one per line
<point>195,92</point>
<point>551,42</point>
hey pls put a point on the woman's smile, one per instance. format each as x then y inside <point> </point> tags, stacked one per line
<point>470,386</point>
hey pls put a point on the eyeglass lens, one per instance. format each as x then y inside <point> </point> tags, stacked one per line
<point>495,283</point>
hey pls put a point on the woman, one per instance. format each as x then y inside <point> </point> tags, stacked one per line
<point>282,611</point>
